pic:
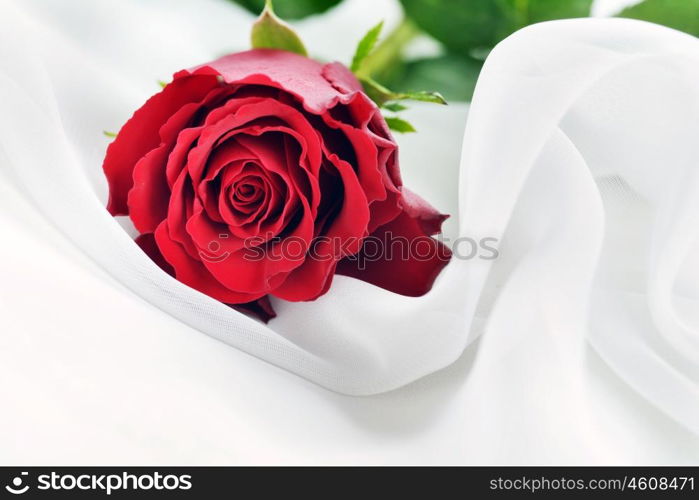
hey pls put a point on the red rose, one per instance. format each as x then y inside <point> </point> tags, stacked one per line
<point>263,173</point>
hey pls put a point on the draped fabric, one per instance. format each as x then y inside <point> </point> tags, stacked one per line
<point>579,158</point>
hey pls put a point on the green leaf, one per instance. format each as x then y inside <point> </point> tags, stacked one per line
<point>377,92</point>
<point>162,84</point>
<point>365,46</point>
<point>681,15</point>
<point>381,95</point>
<point>387,57</point>
<point>107,133</point>
<point>434,97</point>
<point>464,25</point>
<point>453,75</point>
<point>270,32</point>
<point>395,107</point>
<point>537,11</point>
<point>399,125</point>
<point>290,9</point>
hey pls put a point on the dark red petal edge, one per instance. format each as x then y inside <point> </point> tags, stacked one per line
<point>414,276</point>
<point>260,308</point>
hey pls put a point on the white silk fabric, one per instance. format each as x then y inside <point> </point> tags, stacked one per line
<point>580,155</point>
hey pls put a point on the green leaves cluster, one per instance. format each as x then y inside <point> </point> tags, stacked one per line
<point>270,32</point>
<point>381,95</point>
<point>681,15</point>
<point>468,30</point>
<point>465,25</point>
<point>365,47</point>
<point>290,9</point>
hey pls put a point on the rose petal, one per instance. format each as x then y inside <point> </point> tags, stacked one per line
<point>141,134</point>
<point>177,160</point>
<point>193,273</point>
<point>313,278</point>
<point>149,197</point>
<point>248,268</point>
<point>340,77</point>
<point>238,213</point>
<point>230,157</point>
<point>246,113</point>
<point>273,165</point>
<point>298,75</point>
<point>180,210</point>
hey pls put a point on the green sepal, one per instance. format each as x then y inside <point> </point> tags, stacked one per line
<point>399,125</point>
<point>394,106</point>
<point>365,46</point>
<point>381,95</point>
<point>270,32</point>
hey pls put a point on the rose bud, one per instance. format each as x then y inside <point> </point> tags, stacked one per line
<point>263,173</point>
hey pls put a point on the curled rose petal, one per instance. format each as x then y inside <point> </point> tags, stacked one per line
<point>141,134</point>
<point>295,74</point>
<point>401,256</point>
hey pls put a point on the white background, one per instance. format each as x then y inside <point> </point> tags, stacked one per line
<point>91,373</point>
